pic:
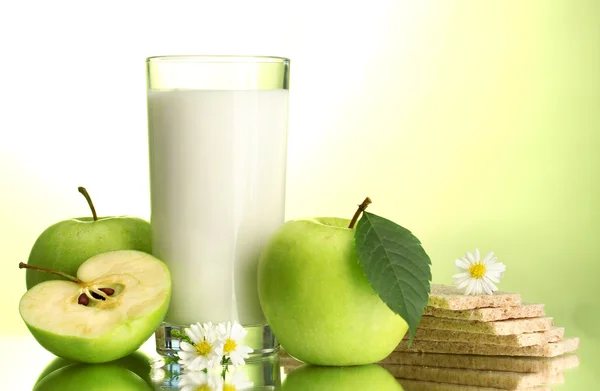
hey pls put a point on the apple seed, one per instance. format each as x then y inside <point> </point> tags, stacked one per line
<point>83,299</point>
<point>108,291</point>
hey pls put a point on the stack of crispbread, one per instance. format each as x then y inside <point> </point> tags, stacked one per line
<point>483,342</point>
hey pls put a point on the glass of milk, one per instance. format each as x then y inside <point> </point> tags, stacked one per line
<point>218,145</point>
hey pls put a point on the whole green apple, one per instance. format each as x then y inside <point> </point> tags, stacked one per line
<point>96,377</point>
<point>137,362</point>
<point>317,299</point>
<point>64,246</point>
<point>365,378</point>
<point>115,303</point>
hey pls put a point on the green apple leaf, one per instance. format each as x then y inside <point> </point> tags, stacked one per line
<point>396,266</point>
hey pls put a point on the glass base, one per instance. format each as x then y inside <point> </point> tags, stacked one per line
<point>259,338</point>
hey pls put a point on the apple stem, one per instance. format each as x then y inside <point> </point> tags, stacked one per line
<point>361,208</point>
<point>83,191</point>
<point>43,269</point>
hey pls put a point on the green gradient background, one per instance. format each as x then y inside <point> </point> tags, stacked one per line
<point>472,123</point>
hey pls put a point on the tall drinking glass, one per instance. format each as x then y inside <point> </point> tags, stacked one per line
<point>218,145</point>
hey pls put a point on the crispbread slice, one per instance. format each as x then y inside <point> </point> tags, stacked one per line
<point>490,314</point>
<point>486,363</point>
<point>551,349</point>
<point>421,385</point>
<point>469,377</point>
<point>448,297</point>
<point>500,327</point>
<point>527,339</point>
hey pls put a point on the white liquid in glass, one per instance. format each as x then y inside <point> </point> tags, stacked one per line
<point>217,163</point>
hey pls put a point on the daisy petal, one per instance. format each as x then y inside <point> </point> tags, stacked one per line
<point>490,283</point>
<point>197,378</point>
<point>482,287</point>
<point>237,332</point>
<point>477,289</point>
<point>208,327</point>
<point>237,360</point>
<point>464,283</point>
<point>470,257</point>
<point>198,364</point>
<point>186,355</point>
<point>486,287</point>
<point>460,281</point>
<point>462,264</point>
<point>496,267</point>
<point>492,277</point>
<point>461,275</point>
<point>470,286</point>
<point>192,335</point>
<point>477,255</point>
<point>187,347</point>
<point>488,257</point>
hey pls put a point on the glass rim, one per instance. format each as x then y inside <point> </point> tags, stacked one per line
<point>216,59</point>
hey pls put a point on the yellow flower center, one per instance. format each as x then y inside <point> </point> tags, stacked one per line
<point>229,387</point>
<point>204,387</point>
<point>230,346</point>
<point>203,348</point>
<point>477,270</point>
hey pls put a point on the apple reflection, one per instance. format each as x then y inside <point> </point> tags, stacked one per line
<point>364,377</point>
<point>128,373</point>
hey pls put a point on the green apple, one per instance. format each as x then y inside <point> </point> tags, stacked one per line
<point>115,303</point>
<point>64,246</point>
<point>137,362</point>
<point>365,378</point>
<point>317,300</point>
<point>92,377</point>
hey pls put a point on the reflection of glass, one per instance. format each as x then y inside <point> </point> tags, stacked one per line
<point>218,144</point>
<point>419,371</point>
<point>128,373</point>
<point>258,375</point>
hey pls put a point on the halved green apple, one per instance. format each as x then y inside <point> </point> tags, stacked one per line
<point>115,303</point>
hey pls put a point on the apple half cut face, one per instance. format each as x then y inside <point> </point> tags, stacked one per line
<point>121,300</point>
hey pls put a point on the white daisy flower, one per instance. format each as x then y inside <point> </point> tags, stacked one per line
<point>233,334</point>
<point>478,276</point>
<point>206,350</point>
<point>236,381</point>
<point>201,381</point>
